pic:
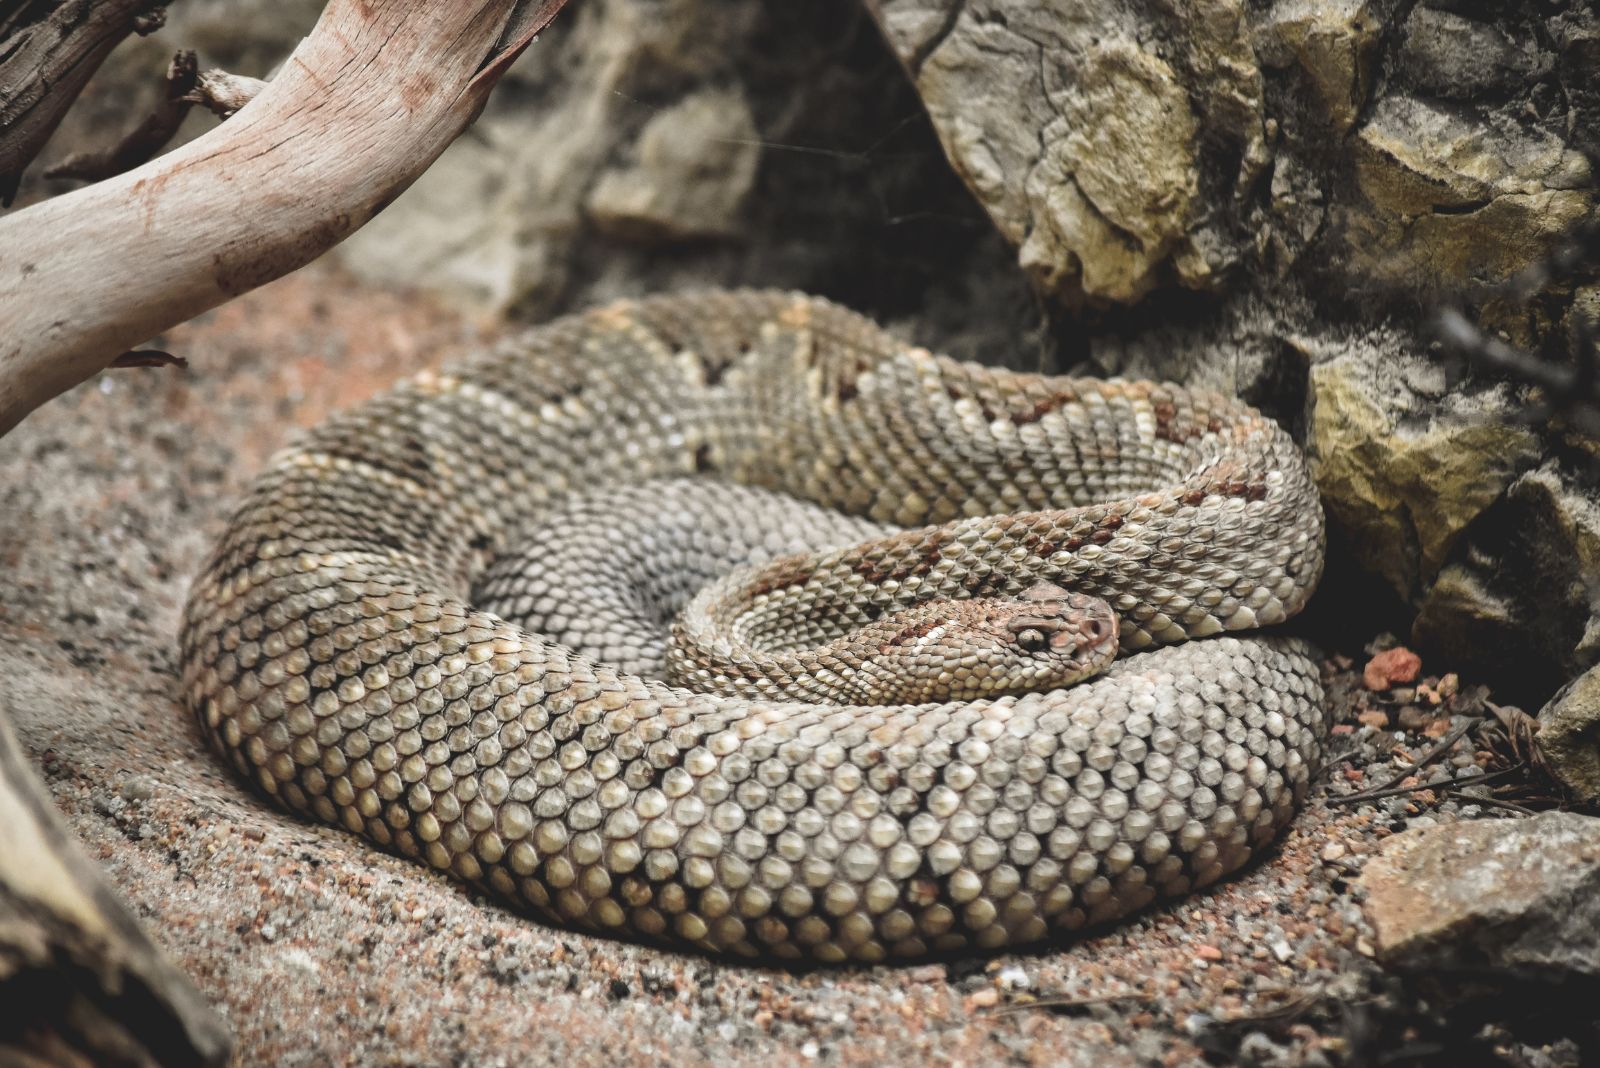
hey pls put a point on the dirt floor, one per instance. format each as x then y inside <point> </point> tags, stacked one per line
<point>319,949</point>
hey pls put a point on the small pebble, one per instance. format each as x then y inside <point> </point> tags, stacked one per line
<point>1398,665</point>
<point>1012,977</point>
<point>983,999</point>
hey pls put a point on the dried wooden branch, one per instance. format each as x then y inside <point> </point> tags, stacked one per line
<point>360,109</point>
<point>144,140</point>
<point>79,982</point>
<point>47,53</point>
<point>224,93</point>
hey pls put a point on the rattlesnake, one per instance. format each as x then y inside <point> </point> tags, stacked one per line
<point>331,649</point>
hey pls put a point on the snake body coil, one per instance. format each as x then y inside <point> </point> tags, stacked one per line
<point>331,650</point>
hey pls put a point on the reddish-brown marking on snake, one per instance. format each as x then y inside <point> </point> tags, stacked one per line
<point>910,632</point>
<point>784,573</point>
<point>931,543</point>
<point>1044,407</point>
<point>1038,545</point>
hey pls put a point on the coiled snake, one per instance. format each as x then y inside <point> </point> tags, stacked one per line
<point>332,650</point>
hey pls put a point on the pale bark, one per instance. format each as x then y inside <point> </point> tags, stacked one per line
<point>79,982</point>
<point>360,109</point>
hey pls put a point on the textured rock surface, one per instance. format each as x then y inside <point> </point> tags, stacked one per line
<point>1569,735</point>
<point>1521,594</point>
<point>1110,160</point>
<point>1141,143</point>
<point>1403,463</point>
<point>1519,897</point>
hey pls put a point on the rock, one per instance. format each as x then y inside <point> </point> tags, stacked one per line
<point>1569,735</point>
<point>1389,667</point>
<point>695,165</point>
<point>1112,193</point>
<point>1519,599</point>
<point>1490,896</point>
<point>1455,57</point>
<point>1334,44</point>
<point>1447,197</point>
<point>1094,160</point>
<point>1401,485</point>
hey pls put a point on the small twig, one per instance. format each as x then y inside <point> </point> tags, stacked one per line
<point>1572,393</point>
<point>149,358</point>
<point>1387,789</point>
<point>223,93</point>
<point>144,140</point>
<point>1288,1012</point>
<point>1416,788</point>
<point>1061,1002</point>
<point>1492,802</point>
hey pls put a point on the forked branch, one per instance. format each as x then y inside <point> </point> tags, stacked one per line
<point>362,107</point>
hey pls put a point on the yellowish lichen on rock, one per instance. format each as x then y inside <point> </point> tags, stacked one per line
<point>1334,44</point>
<point>1401,494</point>
<point>1449,198</point>
<point>1569,735</point>
<point>1114,190</point>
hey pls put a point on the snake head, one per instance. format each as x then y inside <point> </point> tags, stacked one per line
<point>1043,639</point>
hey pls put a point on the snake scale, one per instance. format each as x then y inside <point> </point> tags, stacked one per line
<point>332,649</point>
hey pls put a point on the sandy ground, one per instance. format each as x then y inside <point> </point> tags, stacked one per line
<point>318,949</point>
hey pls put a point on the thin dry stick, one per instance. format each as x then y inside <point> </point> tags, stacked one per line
<point>1492,802</point>
<point>1387,789</point>
<point>1066,1003</point>
<point>144,140</point>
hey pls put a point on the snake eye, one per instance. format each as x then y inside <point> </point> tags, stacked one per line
<point>1031,640</point>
